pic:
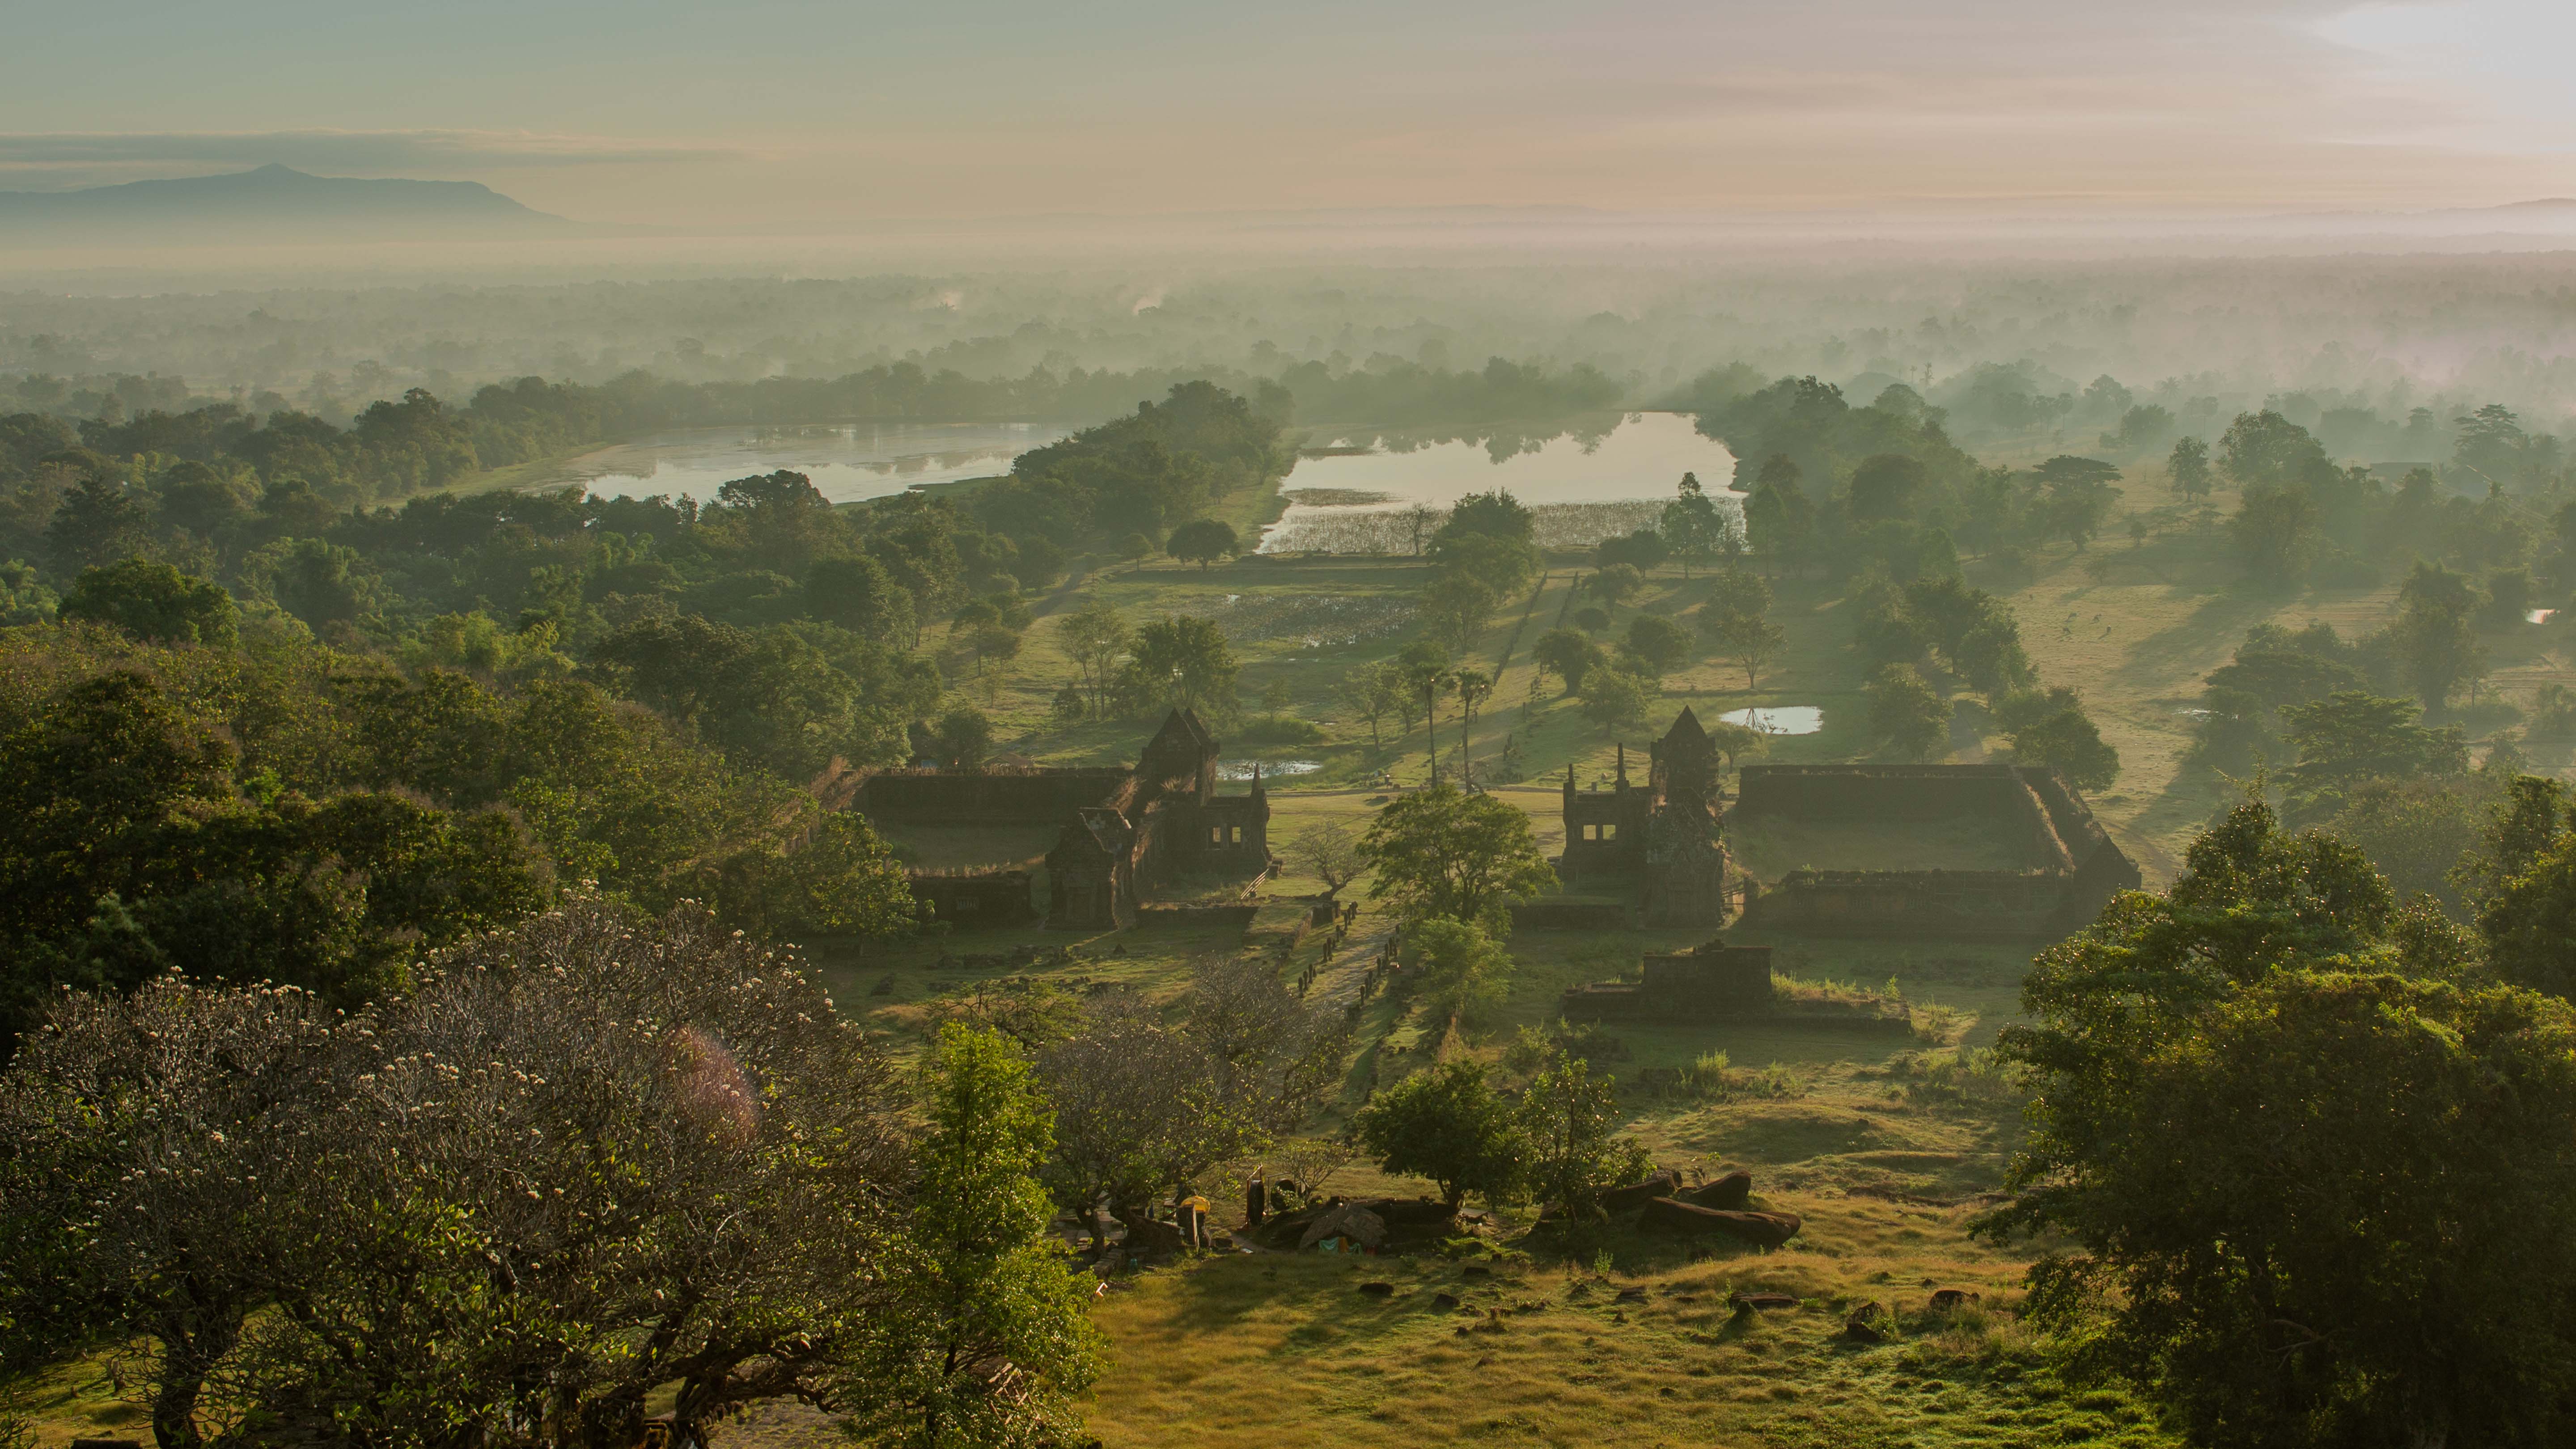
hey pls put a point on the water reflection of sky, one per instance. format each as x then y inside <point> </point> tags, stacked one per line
<point>1644,456</point>
<point>1778,719</point>
<point>846,460</point>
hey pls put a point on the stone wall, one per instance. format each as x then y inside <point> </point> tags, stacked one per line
<point>1957,904</point>
<point>971,797</point>
<point>974,898</point>
<point>1715,982</point>
<point>1554,915</point>
<point>1879,792</point>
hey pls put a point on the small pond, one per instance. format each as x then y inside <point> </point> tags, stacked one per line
<point>847,461</point>
<point>1585,486</point>
<point>1270,769</point>
<point>1778,719</point>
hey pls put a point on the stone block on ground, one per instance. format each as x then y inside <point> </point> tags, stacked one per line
<point>1762,1230</point>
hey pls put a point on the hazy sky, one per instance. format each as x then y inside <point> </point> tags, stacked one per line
<point>802,113</point>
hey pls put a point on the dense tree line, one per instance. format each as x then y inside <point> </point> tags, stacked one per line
<point>2307,1146</point>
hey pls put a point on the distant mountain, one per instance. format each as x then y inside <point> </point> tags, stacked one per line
<point>271,204</point>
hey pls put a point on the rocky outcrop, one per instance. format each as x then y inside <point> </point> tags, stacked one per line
<point>1730,1193</point>
<point>1762,1230</point>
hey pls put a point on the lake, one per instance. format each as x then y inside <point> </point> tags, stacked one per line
<point>1583,487</point>
<point>847,461</point>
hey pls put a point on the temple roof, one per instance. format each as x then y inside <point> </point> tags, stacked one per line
<point>1184,728</point>
<point>1686,727</point>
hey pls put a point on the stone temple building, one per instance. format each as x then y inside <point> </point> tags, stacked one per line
<point>1661,839</point>
<point>1987,851</point>
<point>1118,835</point>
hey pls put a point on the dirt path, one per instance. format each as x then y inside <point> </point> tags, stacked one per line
<point>1338,984</point>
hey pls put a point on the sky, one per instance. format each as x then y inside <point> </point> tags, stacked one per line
<point>798,115</point>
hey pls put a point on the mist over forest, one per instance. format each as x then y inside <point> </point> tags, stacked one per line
<point>2013,352</point>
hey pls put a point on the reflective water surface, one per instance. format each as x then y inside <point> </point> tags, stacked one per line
<point>846,460</point>
<point>1622,470</point>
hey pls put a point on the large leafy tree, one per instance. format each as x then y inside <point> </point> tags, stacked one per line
<point>989,1335</point>
<point>154,601</point>
<point>1568,1120</point>
<point>2315,1186</point>
<point>593,1159</point>
<point>1184,661</point>
<point>1443,853</point>
<point>2350,737</point>
<point>1447,1124</point>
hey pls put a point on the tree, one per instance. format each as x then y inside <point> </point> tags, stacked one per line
<point>845,881</point>
<point>2276,531</point>
<point>1659,641</point>
<point>2267,451</point>
<point>1447,1124</point>
<point>1749,638</point>
<point>2063,738</point>
<point>1570,1119</point>
<point>1204,541</point>
<point>97,523</point>
<point>1692,524</point>
<point>2077,496</point>
<point>2435,633</point>
<point>1884,486</point>
<point>1184,661</point>
<point>2309,1187</point>
<point>1424,667</point>
<point>991,643</point>
<point>1615,584</point>
<point>1778,515</point>
<point>1135,548</point>
<point>859,594</point>
<point>1907,718</point>
<point>1144,1105</point>
<point>1568,655</point>
<point>1372,693</point>
<point>1327,851</point>
<point>2350,737</point>
<point>961,739</point>
<point>1441,852</point>
<point>2490,443</point>
<point>1614,699</point>
<point>411,1199</point>
<point>1458,966</point>
<point>155,602</point>
<point>1501,563</point>
<point>1455,607</point>
<point>1094,637</point>
<point>993,1338</point>
<point>1474,687</point>
<point>1645,549</point>
<point>2188,467</point>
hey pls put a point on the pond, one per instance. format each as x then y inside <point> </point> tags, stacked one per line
<point>1239,770</point>
<point>1778,719</point>
<point>1584,486</point>
<point>847,461</point>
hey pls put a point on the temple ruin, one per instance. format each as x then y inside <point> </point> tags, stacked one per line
<point>1988,851</point>
<point>1119,836</point>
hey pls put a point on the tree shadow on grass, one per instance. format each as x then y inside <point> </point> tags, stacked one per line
<point>2221,618</point>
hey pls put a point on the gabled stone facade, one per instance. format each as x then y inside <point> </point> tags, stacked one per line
<point>1123,834</point>
<point>1663,840</point>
